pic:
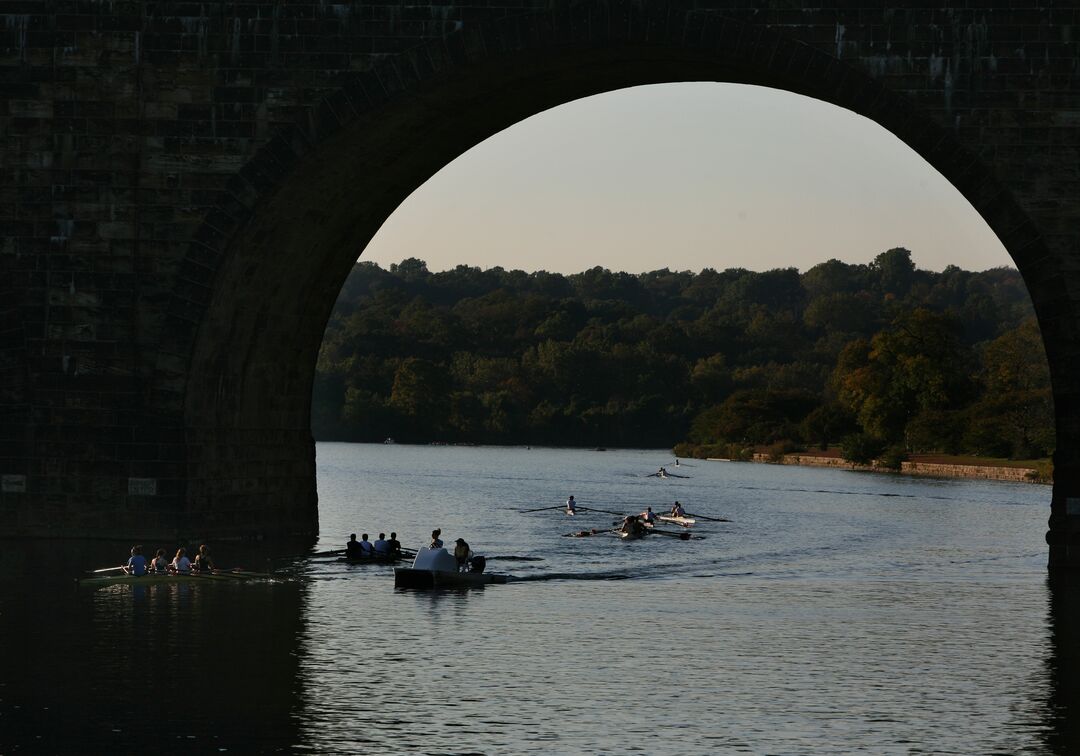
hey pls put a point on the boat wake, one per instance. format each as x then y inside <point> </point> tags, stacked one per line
<point>568,576</point>
<point>515,559</point>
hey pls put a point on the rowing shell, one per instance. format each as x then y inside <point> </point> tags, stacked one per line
<point>684,521</point>
<point>155,579</point>
<point>632,535</point>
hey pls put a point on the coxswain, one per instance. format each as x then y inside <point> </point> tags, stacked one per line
<point>136,565</point>
<point>352,548</point>
<point>159,565</point>
<point>393,545</point>
<point>366,549</point>
<point>461,554</point>
<point>380,545</point>
<point>436,542</point>
<point>677,510</point>
<point>648,516</point>
<point>203,562</point>
<point>181,565</point>
<point>571,505</point>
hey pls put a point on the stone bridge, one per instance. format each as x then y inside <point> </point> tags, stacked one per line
<point>187,184</point>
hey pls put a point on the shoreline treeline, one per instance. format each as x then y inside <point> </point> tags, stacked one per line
<point>883,357</point>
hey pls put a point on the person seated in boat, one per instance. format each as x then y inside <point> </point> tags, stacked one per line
<point>632,525</point>
<point>393,546</point>
<point>461,554</point>
<point>436,542</point>
<point>571,505</point>
<point>181,565</point>
<point>661,473</point>
<point>366,547</point>
<point>159,565</point>
<point>648,516</point>
<point>136,565</point>
<point>352,548</point>
<point>380,545</point>
<point>677,510</point>
<point>203,562</point>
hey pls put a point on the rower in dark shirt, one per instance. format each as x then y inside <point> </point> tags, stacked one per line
<point>394,545</point>
<point>352,548</point>
<point>203,562</point>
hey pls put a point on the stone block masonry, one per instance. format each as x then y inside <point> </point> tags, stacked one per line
<point>186,185</point>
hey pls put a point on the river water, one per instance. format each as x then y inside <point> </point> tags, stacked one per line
<point>838,612</point>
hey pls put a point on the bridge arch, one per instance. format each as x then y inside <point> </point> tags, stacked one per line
<point>237,327</point>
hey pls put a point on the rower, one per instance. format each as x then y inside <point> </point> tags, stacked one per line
<point>436,542</point>
<point>571,505</point>
<point>181,565</point>
<point>677,510</point>
<point>393,546</point>
<point>661,473</point>
<point>159,565</point>
<point>137,563</point>
<point>648,516</point>
<point>380,545</point>
<point>352,548</point>
<point>203,562</point>
<point>366,549</point>
<point>631,524</point>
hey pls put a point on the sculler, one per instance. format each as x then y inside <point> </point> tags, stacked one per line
<point>677,510</point>
<point>648,516</point>
<point>181,565</point>
<point>436,542</point>
<point>203,562</point>
<point>380,545</point>
<point>632,526</point>
<point>137,563</point>
<point>352,548</point>
<point>366,549</point>
<point>393,546</point>
<point>571,505</point>
<point>159,565</point>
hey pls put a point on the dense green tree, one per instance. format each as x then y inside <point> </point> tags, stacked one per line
<point>909,359</point>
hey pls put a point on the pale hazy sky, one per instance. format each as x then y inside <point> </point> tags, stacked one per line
<point>687,176</point>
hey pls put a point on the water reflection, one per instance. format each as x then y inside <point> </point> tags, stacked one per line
<point>201,668</point>
<point>810,624</point>
<point>1062,711</point>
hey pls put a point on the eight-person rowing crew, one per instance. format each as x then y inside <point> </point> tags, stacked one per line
<point>364,548</point>
<point>160,565</point>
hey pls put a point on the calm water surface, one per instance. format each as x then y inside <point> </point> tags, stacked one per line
<point>837,613</point>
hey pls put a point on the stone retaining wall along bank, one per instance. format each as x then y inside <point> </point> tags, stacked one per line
<point>926,469</point>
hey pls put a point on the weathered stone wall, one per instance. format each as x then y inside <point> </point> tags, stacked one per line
<point>925,469</point>
<point>185,186</point>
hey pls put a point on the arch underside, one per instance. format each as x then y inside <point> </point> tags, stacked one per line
<point>229,378</point>
<point>251,375</point>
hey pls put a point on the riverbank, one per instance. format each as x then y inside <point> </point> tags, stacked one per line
<point>923,466</point>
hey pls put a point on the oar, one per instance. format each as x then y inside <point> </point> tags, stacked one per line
<point>605,511</point>
<point>337,552</point>
<point>711,519</point>
<point>541,509</point>
<point>684,536</point>
<point>240,572</point>
<point>587,533</point>
<point>107,569</point>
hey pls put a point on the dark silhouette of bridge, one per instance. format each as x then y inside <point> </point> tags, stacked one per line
<point>186,186</point>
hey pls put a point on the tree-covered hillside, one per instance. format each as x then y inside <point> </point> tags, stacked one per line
<point>880,355</point>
